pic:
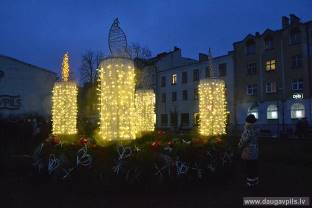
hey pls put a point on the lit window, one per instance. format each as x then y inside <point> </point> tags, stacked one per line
<point>297,111</point>
<point>270,65</point>
<point>272,112</point>
<point>270,87</point>
<point>254,111</point>
<point>174,79</point>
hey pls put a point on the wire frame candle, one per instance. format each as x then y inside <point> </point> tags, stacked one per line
<point>117,99</point>
<point>212,107</point>
<point>64,103</point>
<point>145,110</point>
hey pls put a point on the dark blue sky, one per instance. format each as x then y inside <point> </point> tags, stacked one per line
<point>40,31</point>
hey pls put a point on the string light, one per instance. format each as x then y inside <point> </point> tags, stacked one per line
<point>145,110</point>
<point>212,107</point>
<point>117,99</point>
<point>65,68</point>
<point>64,103</point>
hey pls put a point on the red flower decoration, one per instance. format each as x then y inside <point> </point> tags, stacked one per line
<point>55,140</point>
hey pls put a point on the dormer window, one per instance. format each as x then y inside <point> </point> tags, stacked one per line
<point>295,36</point>
<point>268,43</point>
<point>250,47</point>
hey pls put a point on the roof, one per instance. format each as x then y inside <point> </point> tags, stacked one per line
<point>268,30</point>
<point>31,65</point>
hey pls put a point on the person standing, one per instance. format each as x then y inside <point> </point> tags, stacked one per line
<point>249,145</point>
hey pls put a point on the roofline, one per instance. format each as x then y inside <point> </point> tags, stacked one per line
<point>31,65</point>
<point>261,35</point>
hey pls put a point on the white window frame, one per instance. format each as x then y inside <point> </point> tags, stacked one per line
<point>254,111</point>
<point>272,112</point>
<point>270,87</point>
<point>297,111</point>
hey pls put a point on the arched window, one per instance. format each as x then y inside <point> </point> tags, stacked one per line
<point>254,110</point>
<point>272,112</point>
<point>297,111</point>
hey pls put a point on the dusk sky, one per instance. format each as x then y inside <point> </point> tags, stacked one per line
<point>40,31</point>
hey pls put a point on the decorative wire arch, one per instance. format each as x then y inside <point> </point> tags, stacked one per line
<point>117,40</point>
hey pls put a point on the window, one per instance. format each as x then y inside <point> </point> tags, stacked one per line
<point>196,94</point>
<point>163,82</point>
<point>296,61</point>
<point>185,121</point>
<point>184,77</point>
<point>164,119</point>
<point>184,94</point>
<point>254,111</point>
<point>295,36</point>
<point>297,111</point>
<point>222,70</point>
<point>268,43</point>
<point>195,75</point>
<point>163,97</point>
<point>272,112</point>
<point>196,119</point>
<point>250,47</point>
<point>207,72</point>
<point>270,87</point>
<point>270,65</point>
<point>297,85</point>
<point>174,79</point>
<point>173,119</point>
<point>251,69</point>
<point>252,89</point>
<point>174,96</point>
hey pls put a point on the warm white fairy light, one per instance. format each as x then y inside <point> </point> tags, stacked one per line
<point>116,99</point>
<point>145,110</point>
<point>212,107</point>
<point>64,103</point>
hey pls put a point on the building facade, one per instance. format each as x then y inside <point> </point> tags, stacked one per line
<point>273,76</point>
<point>24,88</point>
<point>175,80</point>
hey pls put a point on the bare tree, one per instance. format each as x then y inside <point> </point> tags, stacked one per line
<point>89,64</point>
<point>135,50</point>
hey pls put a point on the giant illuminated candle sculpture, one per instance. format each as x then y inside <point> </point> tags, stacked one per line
<point>212,106</point>
<point>117,90</point>
<point>64,103</point>
<point>145,110</point>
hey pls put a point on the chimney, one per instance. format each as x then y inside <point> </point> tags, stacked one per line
<point>202,57</point>
<point>294,19</point>
<point>285,22</point>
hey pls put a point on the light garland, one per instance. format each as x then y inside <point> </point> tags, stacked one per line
<point>145,110</point>
<point>212,107</point>
<point>116,99</point>
<point>65,68</point>
<point>64,104</point>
